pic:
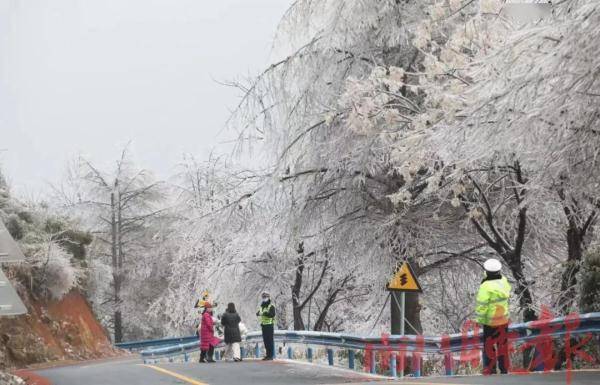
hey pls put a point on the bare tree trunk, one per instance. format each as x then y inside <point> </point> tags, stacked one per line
<point>576,232</point>
<point>575,248</point>
<point>118,313</point>
<point>569,275</point>
<point>331,298</point>
<point>320,323</point>
<point>522,288</point>
<point>297,304</point>
<point>297,308</point>
<point>117,262</point>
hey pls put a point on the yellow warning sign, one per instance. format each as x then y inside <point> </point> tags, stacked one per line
<point>404,279</point>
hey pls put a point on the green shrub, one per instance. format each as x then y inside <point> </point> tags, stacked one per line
<point>53,225</point>
<point>26,216</point>
<point>590,283</point>
<point>75,242</point>
<point>15,227</point>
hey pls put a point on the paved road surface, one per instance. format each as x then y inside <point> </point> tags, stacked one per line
<point>131,372</point>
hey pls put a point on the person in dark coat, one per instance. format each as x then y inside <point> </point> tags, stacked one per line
<point>231,322</point>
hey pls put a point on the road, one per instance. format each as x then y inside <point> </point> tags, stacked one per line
<point>132,372</point>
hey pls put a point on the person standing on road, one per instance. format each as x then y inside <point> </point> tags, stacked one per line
<point>266,312</point>
<point>208,341</point>
<point>231,322</point>
<point>492,313</point>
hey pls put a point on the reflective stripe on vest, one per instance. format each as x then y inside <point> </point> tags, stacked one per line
<point>264,318</point>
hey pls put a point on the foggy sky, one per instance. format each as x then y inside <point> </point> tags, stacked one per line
<point>87,76</point>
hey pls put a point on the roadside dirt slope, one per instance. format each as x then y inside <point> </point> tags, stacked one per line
<point>57,330</point>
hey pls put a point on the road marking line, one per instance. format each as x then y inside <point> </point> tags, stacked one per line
<point>176,375</point>
<point>426,383</point>
<point>401,382</point>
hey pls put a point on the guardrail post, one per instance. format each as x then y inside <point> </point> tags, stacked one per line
<point>373,362</point>
<point>402,363</point>
<point>186,358</point>
<point>330,356</point>
<point>217,355</point>
<point>351,359</point>
<point>448,364</point>
<point>393,365</point>
<point>537,357</point>
<point>242,352</point>
<point>290,353</point>
<point>416,364</point>
<point>257,351</point>
<point>309,354</point>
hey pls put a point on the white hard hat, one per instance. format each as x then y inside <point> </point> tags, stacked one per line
<point>492,265</point>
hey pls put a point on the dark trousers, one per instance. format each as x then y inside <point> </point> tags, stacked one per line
<point>268,340</point>
<point>495,349</point>
<point>207,354</point>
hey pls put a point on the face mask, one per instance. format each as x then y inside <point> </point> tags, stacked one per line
<point>265,300</point>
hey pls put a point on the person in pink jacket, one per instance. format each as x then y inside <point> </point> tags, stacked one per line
<point>208,341</point>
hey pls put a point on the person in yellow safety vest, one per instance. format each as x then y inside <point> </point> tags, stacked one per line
<point>492,313</point>
<point>266,312</point>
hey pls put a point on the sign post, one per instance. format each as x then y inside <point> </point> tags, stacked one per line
<point>10,303</point>
<point>402,311</point>
<point>403,280</point>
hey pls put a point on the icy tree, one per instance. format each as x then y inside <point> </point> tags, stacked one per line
<point>210,203</point>
<point>460,140</point>
<point>121,208</point>
<point>516,103</point>
<point>443,132</point>
<point>330,114</point>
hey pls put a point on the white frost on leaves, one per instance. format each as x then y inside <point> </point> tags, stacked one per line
<point>491,6</point>
<point>455,202</point>
<point>422,36</point>
<point>402,196</point>
<point>59,275</point>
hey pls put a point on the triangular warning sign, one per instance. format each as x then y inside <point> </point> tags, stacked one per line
<point>404,279</point>
<point>9,250</point>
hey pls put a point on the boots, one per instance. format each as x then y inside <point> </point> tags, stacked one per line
<point>202,356</point>
<point>211,351</point>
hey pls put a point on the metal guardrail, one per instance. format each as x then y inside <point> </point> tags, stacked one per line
<point>137,345</point>
<point>405,345</point>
